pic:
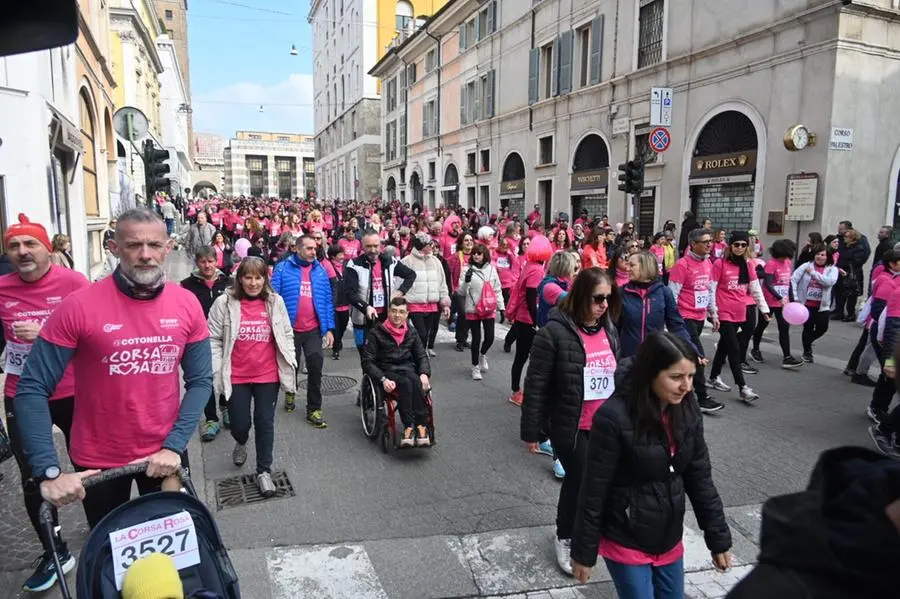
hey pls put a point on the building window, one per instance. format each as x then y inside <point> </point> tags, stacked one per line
<point>584,55</point>
<point>404,14</point>
<point>284,138</point>
<point>255,137</point>
<point>485,161</point>
<point>390,141</point>
<point>89,160</point>
<point>402,140</point>
<point>431,60</point>
<point>470,197</point>
<point>257,171</point>
<point>432,173</point>
<point>485,198</point>
<point>650,31</point>
<point>429,119</point>
<point>287,173</point>
<point>547,71</point>
<point>545,150</point>
<point>470,164</point>
<point>169,15</point>
<point>390,95</point>
<point>410,74</point>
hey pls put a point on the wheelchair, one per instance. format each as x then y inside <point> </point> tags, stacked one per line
<point>379,414</point>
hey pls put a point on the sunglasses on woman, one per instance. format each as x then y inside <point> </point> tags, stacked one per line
<point>600,299</point>
<point>739,244</point>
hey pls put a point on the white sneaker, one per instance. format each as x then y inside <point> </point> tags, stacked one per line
<point>432,353</point>
<point>563,554</point>
<point>718,384</point>
<point>748,395</point>
<point>484,364</point>
<point>476,373</point>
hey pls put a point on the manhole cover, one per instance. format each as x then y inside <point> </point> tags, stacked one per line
<point>333,385</point>
<point>242,489</point>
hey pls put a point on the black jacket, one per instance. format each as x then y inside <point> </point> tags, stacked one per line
<point>554,382</point>
<point>878,253</point>
<point>361,263</point>
<point>833,540</point>
<point>196,285</point>
<point>382,355</point>
<point>633,493</point>
<point>687,225</point>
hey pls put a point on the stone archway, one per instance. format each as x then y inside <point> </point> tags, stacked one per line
<point>589,186</point>
<point>512,185</point>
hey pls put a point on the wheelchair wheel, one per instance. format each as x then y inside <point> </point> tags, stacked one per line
<point>371,409</point>
<point>385,440</point>
<point>430,404</point>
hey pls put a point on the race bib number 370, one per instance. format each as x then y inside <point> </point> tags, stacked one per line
<point>173,535</point>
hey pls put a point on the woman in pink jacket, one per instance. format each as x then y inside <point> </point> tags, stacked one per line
<point>507,264</point>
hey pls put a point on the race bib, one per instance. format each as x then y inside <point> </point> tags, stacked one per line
<point>452,248</point>
<point>16,354</point>
<point>173,535</point>
<point>503,262</point>
<point>378,298</point>
<point>814,294</point>
<point>701,299</point>
<point>598,384</point>
<point>782,290</point>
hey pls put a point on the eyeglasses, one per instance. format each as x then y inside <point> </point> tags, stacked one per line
<point>600,299</point>
<point>704,241</point>
<point>739,244</point>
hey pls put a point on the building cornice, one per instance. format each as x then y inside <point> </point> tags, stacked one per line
<point>131,15</point>
<point>85,29</point>
<point>169,45</point>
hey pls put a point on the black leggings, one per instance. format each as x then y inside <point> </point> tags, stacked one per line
<point>475,326</point>
<point>857,353</point>
<point>524,338</point>
<point>505,291</point>
<point>341,319</point>
<point>263,397</point>
<point>410,399</point>
<point>426,325</point>
<point>745,330</point>
<point>462,325</point>
<point>61,415</point>
<point>729,346</point>
<point>784,331</point>
<point>573,460</point>
<point>209,412</point>
<point>814,327</point>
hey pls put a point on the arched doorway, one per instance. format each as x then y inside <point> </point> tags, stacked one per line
<point>391,189</point>
<point>204,188</point>
<point>512,185</point>
<point>415,184</point>
<point>450,189</point>
<point>589,187</point>
<point>723,171</point>
<point>89,137</point>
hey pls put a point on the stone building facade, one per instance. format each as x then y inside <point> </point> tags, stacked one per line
<point>262,164</point>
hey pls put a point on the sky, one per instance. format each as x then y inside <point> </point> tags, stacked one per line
<point>240,59</point>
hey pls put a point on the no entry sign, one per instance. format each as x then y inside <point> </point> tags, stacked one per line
<point>660,140</point>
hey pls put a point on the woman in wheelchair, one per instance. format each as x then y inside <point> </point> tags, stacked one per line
<point>395,357</point>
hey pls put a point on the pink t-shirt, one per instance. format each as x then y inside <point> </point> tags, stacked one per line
<point>21,301</point>
<point>599,370</point>
<point>752,264</point>
<point>693,275</point>
<point>127,383</point>
<point>893,304</point>
<point>531,277</point>
<point>731,296</point>
<point>717,251</point>
<point>254,348</point>
<point>781,270</point>
<point>306,313</point>
<point>507,265</point>
<point>378,299</point>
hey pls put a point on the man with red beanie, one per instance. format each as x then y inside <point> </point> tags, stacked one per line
<point>27,298</point>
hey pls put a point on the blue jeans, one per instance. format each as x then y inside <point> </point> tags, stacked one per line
<point>648,582</point>
<point>170,226</point>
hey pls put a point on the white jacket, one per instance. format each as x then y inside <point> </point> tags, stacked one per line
<point>430,286</point>
<point>472,291</point>
<point>804,274</point>
<point>224,323</point>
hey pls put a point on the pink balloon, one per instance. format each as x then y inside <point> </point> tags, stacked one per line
<point>795,313</point>
<point>241,246</point>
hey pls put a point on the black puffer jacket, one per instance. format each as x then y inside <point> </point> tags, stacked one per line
<point>206,295</point>
<point>382,354</point>
<point>554,382</point>
<point>633,493</point>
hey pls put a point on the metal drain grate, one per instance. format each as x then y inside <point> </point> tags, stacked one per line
<point>242,489</point>
<point>333,385</point>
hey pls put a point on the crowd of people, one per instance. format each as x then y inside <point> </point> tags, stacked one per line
<point>612,320</point>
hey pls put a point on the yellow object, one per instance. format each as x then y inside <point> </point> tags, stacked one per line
<point>153,577</point>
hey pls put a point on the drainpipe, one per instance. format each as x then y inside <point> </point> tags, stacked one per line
<point>530,108</point>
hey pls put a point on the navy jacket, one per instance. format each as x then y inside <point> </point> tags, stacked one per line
<point>646,311</point>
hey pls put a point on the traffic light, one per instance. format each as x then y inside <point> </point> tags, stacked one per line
<point>154,169</point>
<point>631,177</point>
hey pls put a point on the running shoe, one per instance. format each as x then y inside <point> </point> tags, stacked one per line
<point>849,372</point>
<point>507,348</point>
<point>544,448</point>
<point>747,369</point>
<point>884,441</point>
<point>45,576</point>
<point>564,554</point>
<point>808,357</point>
<point>315,419</point>
<point>791,362</point>
<point>459,347</point>
<point>757,356</point>
<point>335,355</point>
<point>748,395</point>
<point>718,384</point>
<point>239,454</point>
<point>484,364</point>
<point>303,370</point>
<point>265,484</point>
<point>409,438</point>
<point>422,438</point>
<point>863,379</point>
<point>708,405</point>
<point>558,470</point>
<point>226,419</point>
<point>290,403</point>
<point>516,399</point>
<point>476,373</point>
<point>876,415</point>
<point>432,353</point>
<point>209,430</point>
<point>451,327</point>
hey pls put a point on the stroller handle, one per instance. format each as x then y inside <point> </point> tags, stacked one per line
<point>46,510</point>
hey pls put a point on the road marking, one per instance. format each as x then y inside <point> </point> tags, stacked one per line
<point>323,572</point>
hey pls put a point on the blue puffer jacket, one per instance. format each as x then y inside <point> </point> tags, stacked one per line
<point>647,310</point>
<point>544,307</point>
<point>286,283</point>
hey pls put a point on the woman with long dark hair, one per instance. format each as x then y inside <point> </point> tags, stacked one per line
<point>776,286</point>
<point>646,455</point>
<point>570,376</point>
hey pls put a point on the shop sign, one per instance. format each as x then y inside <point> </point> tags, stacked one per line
<point>593,182</point>
<point>512,189</point>
<point>736,167</point>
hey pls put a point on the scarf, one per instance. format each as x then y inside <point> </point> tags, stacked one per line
<point>741,263</point>
<point>592,329</point>
<point>134,290</point>
<point>398,333</point>
<point>697,256</point>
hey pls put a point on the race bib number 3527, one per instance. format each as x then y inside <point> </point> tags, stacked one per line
<point>173,535</point>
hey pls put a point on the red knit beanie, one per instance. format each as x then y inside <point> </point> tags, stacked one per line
<point>26,227</point>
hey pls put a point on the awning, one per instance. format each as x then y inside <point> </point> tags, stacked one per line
<point>64,133</point>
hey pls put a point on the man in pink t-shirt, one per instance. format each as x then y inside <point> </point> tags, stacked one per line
<point>126,338</point>
<point>27,298</point>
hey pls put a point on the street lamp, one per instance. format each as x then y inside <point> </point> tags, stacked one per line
<point>294,50</point>
<point>261,108</point>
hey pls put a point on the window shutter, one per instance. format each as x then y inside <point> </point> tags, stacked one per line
<point>435,117</point>
<point>463,104</point>
<point>565,61</point>
<point>596,48</point>
<point>403,135</point>
<point>489,99</point>
<point>534,61</point>
<point>462,37</point>
<point>425,132</point>
<point>478,26</point>
<point>554,68</point>
<point>476,112</point>
<point>492,17</point>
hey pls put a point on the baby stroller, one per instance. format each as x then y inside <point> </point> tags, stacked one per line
<point>213,577</point>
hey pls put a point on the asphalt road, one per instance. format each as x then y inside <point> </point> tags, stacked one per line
<point>473,517</point>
